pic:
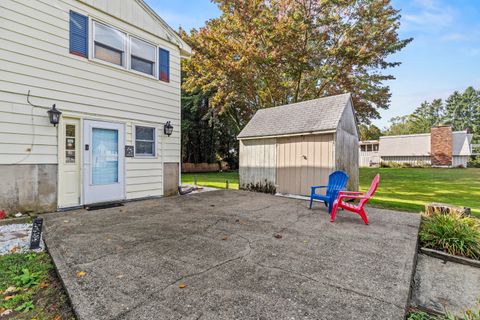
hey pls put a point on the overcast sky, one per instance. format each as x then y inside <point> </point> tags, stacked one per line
<point>444,56</point>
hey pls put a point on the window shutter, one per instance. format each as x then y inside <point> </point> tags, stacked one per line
<point>164,65</point>
<point>78,34</point>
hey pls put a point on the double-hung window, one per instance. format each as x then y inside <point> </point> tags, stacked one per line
<point>109,44</point>
<point>145,141</point>
<point>142,56</point>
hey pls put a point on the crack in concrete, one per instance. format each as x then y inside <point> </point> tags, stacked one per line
<point>291,272</point>
<point>132,246</point>
<point>194,274</point>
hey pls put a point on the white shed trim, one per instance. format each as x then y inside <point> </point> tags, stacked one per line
<point>289,135</point>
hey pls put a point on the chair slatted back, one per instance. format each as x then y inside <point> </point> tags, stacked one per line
<point>336,181</point>
<point>371,191</point>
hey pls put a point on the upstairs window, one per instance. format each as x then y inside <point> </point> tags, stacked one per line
<point>109,44</point>
<point>144,141</point>
<point>142,56</point>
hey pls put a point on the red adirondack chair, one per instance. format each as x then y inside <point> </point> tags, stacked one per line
<point>356,208</point>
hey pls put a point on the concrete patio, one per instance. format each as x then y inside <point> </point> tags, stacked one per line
<point>221,246</point>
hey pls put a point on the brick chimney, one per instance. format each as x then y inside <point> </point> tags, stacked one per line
<point>441,146</point>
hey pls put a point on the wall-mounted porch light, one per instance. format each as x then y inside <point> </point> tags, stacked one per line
<point>54,115</point>
<point>168,128</point>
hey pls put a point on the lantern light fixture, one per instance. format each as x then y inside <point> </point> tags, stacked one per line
<point>168,128</point>
<point>54,115</point>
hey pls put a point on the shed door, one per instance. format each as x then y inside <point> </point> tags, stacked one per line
<point>304,161</point>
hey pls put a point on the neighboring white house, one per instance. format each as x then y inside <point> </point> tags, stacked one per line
<point>441,147</point>
<point>113,69</point>
<point>369,153</point>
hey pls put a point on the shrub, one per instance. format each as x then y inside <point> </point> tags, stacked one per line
<point>452,233</point>
<point>474,162</point>
<point>415,164</point>
<point>266,187</point>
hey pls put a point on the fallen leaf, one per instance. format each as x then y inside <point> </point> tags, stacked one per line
<point>15,249</point>
<point>6,312</point>
<point>81,274</point>
<point>225,238</point>
<point>44,285</point>
<point>8,298</point>
<point>10,289</point>
<point>66,221</point>
<point>182,285</point>
<point>278,235</point>
<point>57,318</point>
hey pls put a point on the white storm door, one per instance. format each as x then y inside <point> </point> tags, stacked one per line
<point>103,161</point>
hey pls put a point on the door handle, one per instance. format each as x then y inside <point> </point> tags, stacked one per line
<point>87,147</point>
<point>304,157</point>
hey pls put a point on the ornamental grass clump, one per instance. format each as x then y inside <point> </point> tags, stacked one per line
<point>452,233</point>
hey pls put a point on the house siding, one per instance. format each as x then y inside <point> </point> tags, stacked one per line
<point>34,56</point>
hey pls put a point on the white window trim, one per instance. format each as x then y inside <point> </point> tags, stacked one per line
<point>134,140</point>
<point>155,63</point>
<point>125,45</point>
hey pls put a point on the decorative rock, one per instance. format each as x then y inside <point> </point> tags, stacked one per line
<point>15,238</point>
<point>18,215</point>
<point>444,208</point>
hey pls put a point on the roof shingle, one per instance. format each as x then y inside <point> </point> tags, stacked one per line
<point>308,116</point>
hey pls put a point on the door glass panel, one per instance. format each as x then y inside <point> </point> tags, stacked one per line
<point>104,156</point>
<point>70,143</point>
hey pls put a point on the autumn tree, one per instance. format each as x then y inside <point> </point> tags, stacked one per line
<point>265,53</point>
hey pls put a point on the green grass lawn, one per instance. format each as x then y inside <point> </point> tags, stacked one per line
<point>212,179</point>
<point>410,189</point>
<point>407,189</point>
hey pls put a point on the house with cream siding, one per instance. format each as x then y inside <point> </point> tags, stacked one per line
<point>112,68</point>
<point>441,147</point>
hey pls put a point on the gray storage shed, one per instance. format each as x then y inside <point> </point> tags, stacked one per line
<point>298,145</point>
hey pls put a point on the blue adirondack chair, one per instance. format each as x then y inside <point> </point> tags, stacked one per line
<point>337,181</point>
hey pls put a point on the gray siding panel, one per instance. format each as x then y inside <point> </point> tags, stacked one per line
<point>258,160</point>
<point>347,148</point>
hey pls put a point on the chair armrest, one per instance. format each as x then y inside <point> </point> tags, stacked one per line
<point>346,196</point>
<point>349,192</point>
<point>318,187</point>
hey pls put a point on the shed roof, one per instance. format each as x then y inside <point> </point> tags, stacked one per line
<point>419,145</point>
<point>315,115</point>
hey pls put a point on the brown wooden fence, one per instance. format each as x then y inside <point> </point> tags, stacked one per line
<point>204,167</point>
